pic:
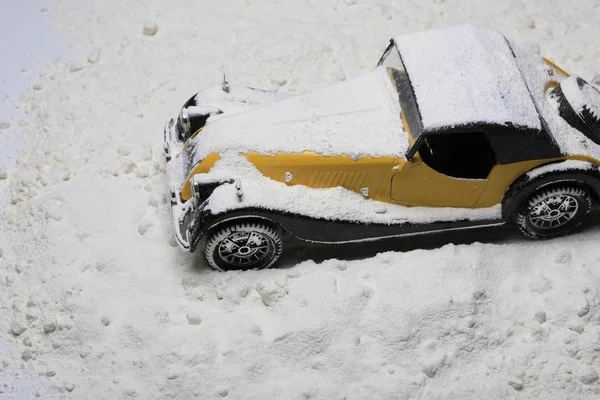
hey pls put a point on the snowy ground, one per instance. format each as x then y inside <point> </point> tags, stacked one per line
<point>96,301</point>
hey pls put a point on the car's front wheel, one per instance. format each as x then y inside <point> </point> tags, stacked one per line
<point>244,245</point>
<point>553,211</point>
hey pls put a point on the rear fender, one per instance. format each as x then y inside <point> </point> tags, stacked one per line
<point>580,173</point>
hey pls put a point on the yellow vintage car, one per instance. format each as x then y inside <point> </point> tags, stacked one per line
<point>455,128</point>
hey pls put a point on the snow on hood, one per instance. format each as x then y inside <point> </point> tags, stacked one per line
<point>237,99</point>
<point>359,117</point>
<point>466,74</point>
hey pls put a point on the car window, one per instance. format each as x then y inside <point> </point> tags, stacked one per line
<point>459,155</point>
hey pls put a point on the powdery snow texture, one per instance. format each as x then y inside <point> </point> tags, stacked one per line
<point>113,309</point>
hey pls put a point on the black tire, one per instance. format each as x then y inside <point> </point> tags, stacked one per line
<point>244,245</point>
<point>584,117</point>
<point>555,211</point>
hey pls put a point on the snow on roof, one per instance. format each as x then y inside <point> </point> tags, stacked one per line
<point>466,74</point>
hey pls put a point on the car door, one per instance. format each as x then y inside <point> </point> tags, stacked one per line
<point>448,170</point>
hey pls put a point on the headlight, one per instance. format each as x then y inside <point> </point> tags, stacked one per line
<point>185,120</point>
<point>184,125</point>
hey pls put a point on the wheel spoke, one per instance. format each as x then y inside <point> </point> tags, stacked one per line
<point>243,249</point>
<point>565,203</point>
<point>232,243</point>
<point>554,211</point>
<point>546,207</point>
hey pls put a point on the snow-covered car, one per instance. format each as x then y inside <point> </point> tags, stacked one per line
<point>455,128</point>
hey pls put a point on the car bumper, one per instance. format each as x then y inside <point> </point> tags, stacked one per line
<point>169,138</point>
<point>182,212</point>
<point>188,220</point>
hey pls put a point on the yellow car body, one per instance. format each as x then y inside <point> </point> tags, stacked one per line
<point>517,143</point>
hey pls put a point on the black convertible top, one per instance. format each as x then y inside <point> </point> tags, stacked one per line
<point>466,79</point>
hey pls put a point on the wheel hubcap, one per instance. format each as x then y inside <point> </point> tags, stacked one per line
<point>241,249</point>
<point>554,211</point>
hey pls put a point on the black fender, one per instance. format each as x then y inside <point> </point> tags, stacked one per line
<point>525,186</point>
<point>319,230</point>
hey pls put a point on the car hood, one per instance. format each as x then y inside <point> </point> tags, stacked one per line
<point>235,100</point>
<point>357,118</point>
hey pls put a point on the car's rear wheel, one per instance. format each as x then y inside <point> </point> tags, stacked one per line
<point>244,245</point>
<point>553,212</point>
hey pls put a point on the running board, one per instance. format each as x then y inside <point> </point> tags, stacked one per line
<point>316,230</point>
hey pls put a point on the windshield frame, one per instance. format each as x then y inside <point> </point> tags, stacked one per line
<point>406,95</point>
<point>386,53</point>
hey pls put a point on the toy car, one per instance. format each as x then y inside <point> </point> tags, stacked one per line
<point>454,129</point>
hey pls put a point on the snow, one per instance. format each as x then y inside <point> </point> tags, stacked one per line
<point>358,118</point>
<point>237,99</point>
<point>588,96</point>
<point>95,56</point>
<point>150,28</point>
<point>466,74</point>
<point>592,95</point>
<point>568,165</point>
<point>504,317</point>
<point>573,93</point>
<point>24,47</point>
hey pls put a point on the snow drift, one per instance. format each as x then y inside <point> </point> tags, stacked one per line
<point>96,302</point>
